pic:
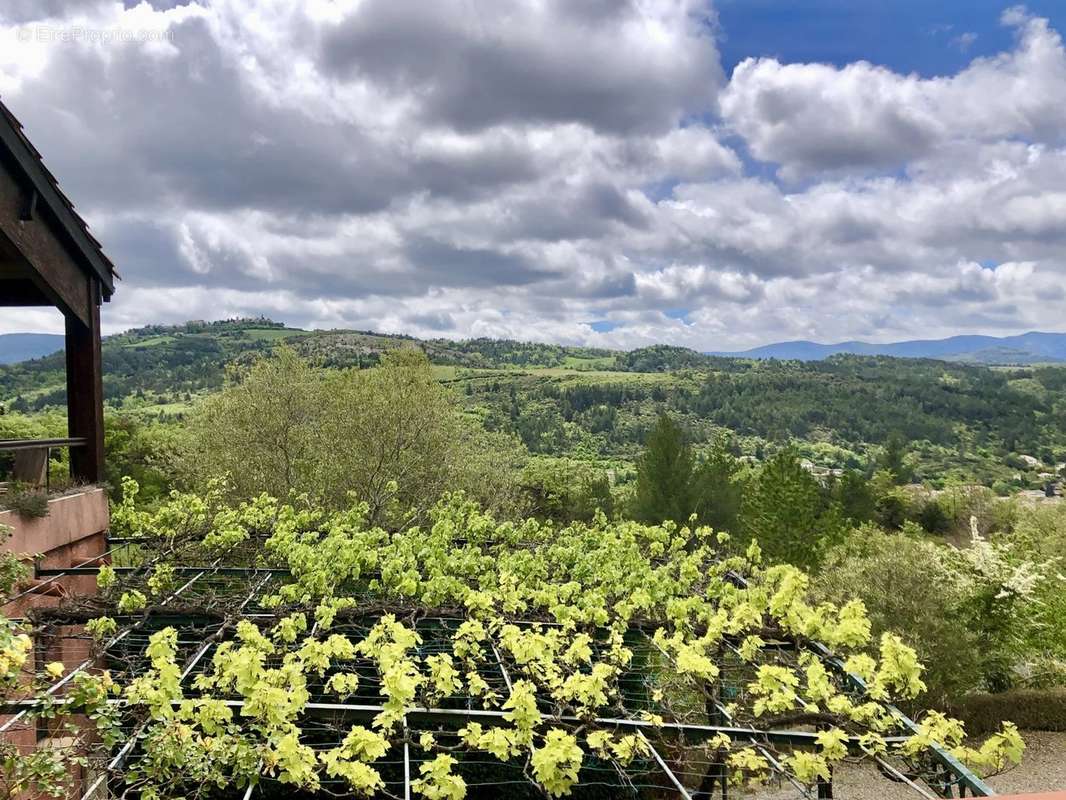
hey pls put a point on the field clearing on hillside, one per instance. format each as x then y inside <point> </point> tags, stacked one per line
<point>149,341</point>
<point>586,363</point>
<point>603,375</point>
<point>273,334</point>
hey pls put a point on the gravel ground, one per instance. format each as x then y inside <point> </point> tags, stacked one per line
<point>1043,769</point>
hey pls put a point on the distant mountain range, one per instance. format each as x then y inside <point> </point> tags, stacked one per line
<point>1026,348</point>
<point>16,347</point>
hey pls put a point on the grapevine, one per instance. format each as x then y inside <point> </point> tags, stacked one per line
<point>526,649</point>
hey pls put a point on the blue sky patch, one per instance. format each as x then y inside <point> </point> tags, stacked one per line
<point>929,38</point>
<point>604,326</point>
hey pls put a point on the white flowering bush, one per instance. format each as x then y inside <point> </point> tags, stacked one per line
<point>1009,586</point>
<point>987,616</point>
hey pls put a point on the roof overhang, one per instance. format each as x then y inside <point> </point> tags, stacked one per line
<point>45,201</point>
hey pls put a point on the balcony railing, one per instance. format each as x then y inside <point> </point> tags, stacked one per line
<point>32,457</point>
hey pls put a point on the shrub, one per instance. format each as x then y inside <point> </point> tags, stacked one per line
<point>987,617</point>
<point>1029,709</point>
<point>908,586</point>
<point>933,519</point>
<point>28,503</point>
<point>12,569</point>
<point>564,489</point>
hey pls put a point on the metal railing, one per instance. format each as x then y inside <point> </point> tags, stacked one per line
<point>36,445</point>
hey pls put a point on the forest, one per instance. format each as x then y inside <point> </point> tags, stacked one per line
<point>998,427</point>
<point>872,503</point>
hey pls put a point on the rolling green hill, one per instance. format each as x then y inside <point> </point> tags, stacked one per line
<point>962,421</point>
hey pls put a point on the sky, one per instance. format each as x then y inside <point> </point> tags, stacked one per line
<point>616,173</point>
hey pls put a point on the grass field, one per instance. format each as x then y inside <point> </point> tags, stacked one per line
<point>149,341</point>
<point>273,334</point>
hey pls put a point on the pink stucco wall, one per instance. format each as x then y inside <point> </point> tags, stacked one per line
<point>70,519</point>
<point>73,532</point>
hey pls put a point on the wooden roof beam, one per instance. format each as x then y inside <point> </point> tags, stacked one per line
<point>42,195</point>
<point>40,253</point>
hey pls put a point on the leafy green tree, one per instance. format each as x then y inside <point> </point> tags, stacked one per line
<point>908,584</point>
<point>263,431</point>
<point>564,490</point>
<point>786,509</point>
<point>391,436</point>
<point>140,450</point>
<point>664,475</point>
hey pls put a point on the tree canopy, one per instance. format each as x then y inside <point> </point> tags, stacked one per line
<point>390,436</point>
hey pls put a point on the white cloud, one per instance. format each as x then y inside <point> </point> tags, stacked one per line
<point>539,164</point>
<point>811,118</point>
<point>964,41</point>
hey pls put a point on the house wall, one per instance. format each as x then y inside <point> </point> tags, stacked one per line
<point>73,532</point>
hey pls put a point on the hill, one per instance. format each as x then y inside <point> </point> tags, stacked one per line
<point>964,421</point>
<point>15,347</point>
<point>1027,348</point>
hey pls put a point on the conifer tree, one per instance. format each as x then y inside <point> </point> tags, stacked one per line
<point>664,475</point>
<point>857,501</point>
<point>893,459</point>
<point>786,509</point>
<point>718,489</point>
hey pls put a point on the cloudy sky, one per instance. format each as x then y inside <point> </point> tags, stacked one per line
<point>608,172</point>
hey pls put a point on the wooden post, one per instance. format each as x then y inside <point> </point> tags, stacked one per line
<point>825,788</point>
<point>85,393</point>
<point>31,466</point>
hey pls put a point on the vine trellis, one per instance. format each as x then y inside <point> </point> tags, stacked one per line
<point>273,649</point>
